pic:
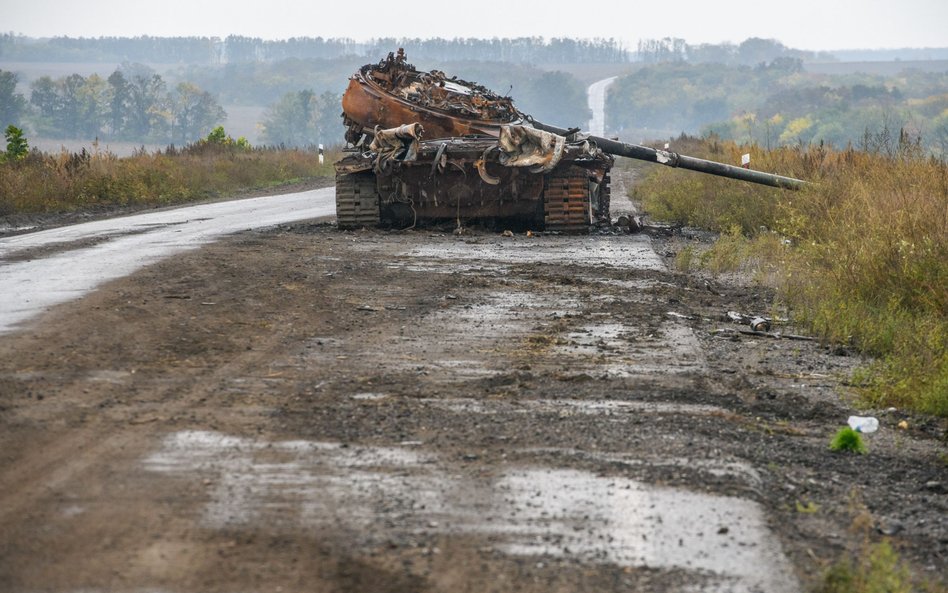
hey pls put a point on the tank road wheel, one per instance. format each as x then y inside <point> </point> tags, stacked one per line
<point>357,200</point>
<point>566,203</point>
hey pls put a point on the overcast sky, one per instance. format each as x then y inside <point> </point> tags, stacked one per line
<point>803,24</point>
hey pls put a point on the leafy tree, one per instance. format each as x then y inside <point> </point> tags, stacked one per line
<point>17,146</point>
<point>71,107</point>
<point>46,98</point>
<point>119,103</point>
<point>302,119</point>
<point>92,100</point>
<point>146,115</point>
<point>12,104</point>
<point>193,112</point>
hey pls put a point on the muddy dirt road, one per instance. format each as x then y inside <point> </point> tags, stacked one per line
<point>45,268</point>
<point>302,409</point>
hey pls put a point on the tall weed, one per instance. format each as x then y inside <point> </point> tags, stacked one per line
<point>863,251</point>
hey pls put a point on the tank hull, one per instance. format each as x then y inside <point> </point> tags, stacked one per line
<point>453,181</point>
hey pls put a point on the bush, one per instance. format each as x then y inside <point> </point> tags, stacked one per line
<point>849,440</point>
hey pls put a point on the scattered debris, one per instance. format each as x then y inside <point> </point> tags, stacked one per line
<point>759,324</point>
<point>774,335</point>
<point>864,424</point>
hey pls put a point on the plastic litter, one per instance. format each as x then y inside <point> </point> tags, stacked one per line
<point>759,324</point>
<point>864,424</point>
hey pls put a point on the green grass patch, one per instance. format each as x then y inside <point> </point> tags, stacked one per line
<point>860,255</point>
<point>848,440</point>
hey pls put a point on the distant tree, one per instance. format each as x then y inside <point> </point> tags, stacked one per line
<point>555,97</point>
<point>146,116</point>
<point>70,107</point>
<point>755,51</point>
<point>302,119</point>
<point>93,102</point>
<point>45,96</point>
<point>12,104</point>
<point>119,103</point>
<point>70,104</point>
<point>193,111</point>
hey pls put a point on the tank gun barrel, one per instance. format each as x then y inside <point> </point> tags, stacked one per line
<point>673,159</point>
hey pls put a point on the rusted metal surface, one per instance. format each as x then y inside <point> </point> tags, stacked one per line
<point>408,193</point>
<point>392,93</point>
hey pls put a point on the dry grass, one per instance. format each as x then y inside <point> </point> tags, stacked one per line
<point>861,254</point>
<point>63,182</point>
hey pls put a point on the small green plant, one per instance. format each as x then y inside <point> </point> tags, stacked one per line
<point>17,146</point>
<point>685,258</point>
<point>848,439</point>
<point>219,137</point>
<point>808,508</point>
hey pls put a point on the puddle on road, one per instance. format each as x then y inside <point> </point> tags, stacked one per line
<point>619,251</point>
<point>369,396</point>
<point>392,492</point>
<point>566,407</point>
<point>673,349</point>
<point>566,513</point>
<point>474,329</point>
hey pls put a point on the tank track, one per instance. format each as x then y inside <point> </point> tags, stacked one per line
<point>357,200</point>
<point>566,203</point>
<point>605,197</point>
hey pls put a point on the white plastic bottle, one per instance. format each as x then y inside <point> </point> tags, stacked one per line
<point>864,424</point>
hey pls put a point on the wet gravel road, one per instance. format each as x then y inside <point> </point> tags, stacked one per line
<point>296,408</point>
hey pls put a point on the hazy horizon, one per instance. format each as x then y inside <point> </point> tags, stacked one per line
<point>804,24</point>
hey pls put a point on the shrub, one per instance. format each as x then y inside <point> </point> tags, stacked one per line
<point>848,440</point>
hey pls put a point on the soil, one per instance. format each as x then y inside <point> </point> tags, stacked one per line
<point>304,409</point>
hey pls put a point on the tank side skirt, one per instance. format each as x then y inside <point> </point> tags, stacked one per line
<point>566,201</point>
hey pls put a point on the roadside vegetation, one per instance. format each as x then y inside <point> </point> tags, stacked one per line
<point>860,256</point>
<point>35,182</point>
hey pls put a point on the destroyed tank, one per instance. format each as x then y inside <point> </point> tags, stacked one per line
<point>424,148</point>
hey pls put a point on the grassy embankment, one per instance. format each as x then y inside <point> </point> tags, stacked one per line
<point>66,182</point>
<point>860,256</point>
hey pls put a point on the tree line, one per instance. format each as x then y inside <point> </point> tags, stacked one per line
<point>238,49</point>
<point>131,104</point>
<point>750,52</point>
<point>779,103</point>
<point>135,104</point>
